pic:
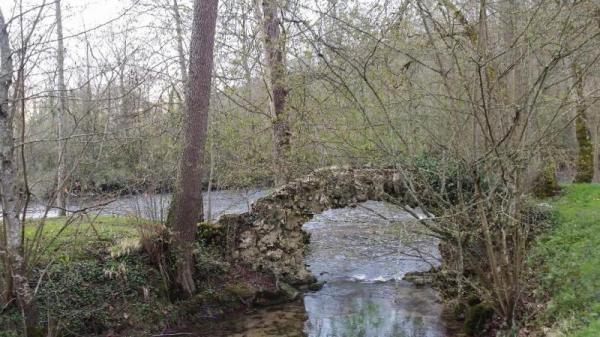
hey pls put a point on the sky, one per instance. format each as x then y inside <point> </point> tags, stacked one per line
<point>80,12</point>
<point>92,16</point>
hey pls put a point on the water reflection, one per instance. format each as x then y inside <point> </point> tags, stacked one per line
<point>390,309</point>
<point>374,242</point>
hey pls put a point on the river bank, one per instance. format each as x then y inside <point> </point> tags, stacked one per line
<point>96,278</point>
<point>99,280</point>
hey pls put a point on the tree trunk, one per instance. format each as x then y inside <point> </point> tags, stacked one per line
<point>596,152</point>
<point>187,206</point>
<point>61,184</point>
<point>276,78</point>
<point>124,104</point>
<point>13,227</point>
<point>594,123</point>
<point>179,37</point>
<point>211,172</point>
<point>585,160</point>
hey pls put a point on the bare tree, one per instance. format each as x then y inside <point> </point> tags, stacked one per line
<point>13,227</point>
<point>187,208</point>
<point>585,150</point>
<point>61,184</point>
<point>274,49</point>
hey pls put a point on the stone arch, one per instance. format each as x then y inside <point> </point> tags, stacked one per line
<point>269,237</point>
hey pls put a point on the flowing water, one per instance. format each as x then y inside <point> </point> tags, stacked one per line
<point>151,206</point>
<point>362,254</point>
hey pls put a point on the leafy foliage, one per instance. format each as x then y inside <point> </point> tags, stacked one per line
<point>94,296</point>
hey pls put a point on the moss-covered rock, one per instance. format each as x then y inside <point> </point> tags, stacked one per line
<point>420,279</point>
<point>242,290</point>
<point>211,233</point>
<point>282,294</point>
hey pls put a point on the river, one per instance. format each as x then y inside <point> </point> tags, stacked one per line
<point>360,253</point>
<point>150,206</point>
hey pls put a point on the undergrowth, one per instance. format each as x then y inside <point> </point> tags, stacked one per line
<point>109,275</point>
<point>569,272</point>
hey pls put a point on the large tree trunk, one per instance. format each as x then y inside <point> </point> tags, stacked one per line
<point>585,160</point>
<point>13,228</point>
<point>187,207</point>
<point>274,52</point>
<point>61,184</point>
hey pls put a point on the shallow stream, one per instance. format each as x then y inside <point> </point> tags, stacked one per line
<point>362,254</point>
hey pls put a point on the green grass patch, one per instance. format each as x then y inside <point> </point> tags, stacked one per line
<point>592,330</point>
<point>570,272</point>
<point>78,237</point>
<point>92,279</point>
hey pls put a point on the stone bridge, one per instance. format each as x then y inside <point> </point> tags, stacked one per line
<point>269,237</point>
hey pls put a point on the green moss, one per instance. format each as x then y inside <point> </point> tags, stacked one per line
<point>211,233</point>
<point>241,290</point>
<point>567,261</point>
<point>212,300</point>
<point>585,159</point>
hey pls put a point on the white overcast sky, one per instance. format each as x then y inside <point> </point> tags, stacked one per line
<point>77,12</point>
<point>93,16</point>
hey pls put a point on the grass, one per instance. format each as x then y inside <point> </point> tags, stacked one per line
<point>77,237</point>
<point>93,277</point>
<point>86,289</point>
<point>570,274</point>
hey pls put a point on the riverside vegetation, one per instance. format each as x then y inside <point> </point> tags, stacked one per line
<point>102,275</point>
<point>98,278</point>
